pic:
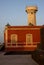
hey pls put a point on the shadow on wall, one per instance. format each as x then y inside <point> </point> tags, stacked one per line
<point>42,38</point>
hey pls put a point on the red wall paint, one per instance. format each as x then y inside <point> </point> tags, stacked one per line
<point>22,36</point>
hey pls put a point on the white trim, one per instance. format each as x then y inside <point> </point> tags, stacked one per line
<point>31,39</point>
<point>23,28</point>
<point>15,35</point>
<point>32,45</point>
<point>23,46</point>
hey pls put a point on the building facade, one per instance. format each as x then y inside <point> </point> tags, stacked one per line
<point>23,38</point>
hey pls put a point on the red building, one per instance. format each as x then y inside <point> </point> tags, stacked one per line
<point>22,38</point>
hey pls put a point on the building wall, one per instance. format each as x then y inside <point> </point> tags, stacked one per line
<point>21,33</point>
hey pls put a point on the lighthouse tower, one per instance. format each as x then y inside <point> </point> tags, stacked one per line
<point>31,11</point>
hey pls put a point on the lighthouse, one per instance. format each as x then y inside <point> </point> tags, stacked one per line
<point>31,13</point>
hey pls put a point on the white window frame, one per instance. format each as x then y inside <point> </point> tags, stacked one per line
<point>31,39</point>
<point>15,41</point>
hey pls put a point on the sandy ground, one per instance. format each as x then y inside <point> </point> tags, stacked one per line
<point>16,59</point>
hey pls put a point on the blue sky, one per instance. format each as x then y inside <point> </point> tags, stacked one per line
<point>13,12</point>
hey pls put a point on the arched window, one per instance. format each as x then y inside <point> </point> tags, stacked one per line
<point>13,38</point>
<point>29,39</point>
